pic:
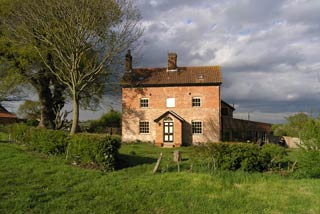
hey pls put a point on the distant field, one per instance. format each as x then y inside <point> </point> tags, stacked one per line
<point>33,183</point>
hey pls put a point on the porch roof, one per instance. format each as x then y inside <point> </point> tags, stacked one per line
<point>166,114</point>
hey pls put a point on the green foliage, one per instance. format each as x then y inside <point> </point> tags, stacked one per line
<point>30,110</point>
<point>101,150</point>
<point>112,28</point>
<point>97,150</point>
<point>3,136</point>
<point>46,141</point>
<point>271,155</point>
<point>241,156</point>
<point>310,135</point>
<point>309,158</point>
<point>49,142</point>
<point>110,119</point>
<point>19,132</point>
<point>22,68</point>
<point>292,127</point>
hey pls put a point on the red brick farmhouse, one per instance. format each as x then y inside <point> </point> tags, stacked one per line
<point>171,106</point>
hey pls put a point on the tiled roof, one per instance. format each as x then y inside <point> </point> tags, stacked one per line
<point>201,75</point>
<point>7,115</point>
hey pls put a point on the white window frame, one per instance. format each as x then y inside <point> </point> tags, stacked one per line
<point>141,102</point>
<point>171,102</point>
<point>200,102</point>
<point>144,128</point>
<point>193,123</point>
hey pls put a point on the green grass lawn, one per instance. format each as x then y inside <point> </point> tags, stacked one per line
<point>3,136</point>
<point>32,183</point>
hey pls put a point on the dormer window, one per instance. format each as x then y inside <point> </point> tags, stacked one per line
<point>144,103</point>
<point>196,101</point>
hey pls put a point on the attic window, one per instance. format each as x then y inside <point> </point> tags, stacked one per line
<point>200,77</point>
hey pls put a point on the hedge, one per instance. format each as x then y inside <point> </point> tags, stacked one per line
<point>242,156</point>
<point>50,142</point>
<point>98,150</point>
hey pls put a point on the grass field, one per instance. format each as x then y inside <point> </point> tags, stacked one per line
<point>32,183</point>
<point>3,136</point>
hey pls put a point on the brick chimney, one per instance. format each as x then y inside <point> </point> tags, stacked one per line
<point>172,61</point>
<point>128,61</point>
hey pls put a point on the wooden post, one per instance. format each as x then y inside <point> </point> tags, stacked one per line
<point>177,158</point>
<point>157,164</point>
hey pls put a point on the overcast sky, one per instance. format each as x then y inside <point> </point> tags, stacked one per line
<point>269,51</point>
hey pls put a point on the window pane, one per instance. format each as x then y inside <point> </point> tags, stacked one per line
<point>144,102</point>
<point>196,127</point>
<point>144,127</point>
<point>196,102</point>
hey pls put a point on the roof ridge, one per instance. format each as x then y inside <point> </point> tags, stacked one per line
<point>200,66</point>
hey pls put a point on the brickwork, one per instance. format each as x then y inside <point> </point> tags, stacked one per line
<point>208,113</point>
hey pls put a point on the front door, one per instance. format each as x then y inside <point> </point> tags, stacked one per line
<point>168,130</point>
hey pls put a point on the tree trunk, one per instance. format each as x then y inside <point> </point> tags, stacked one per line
<point>47,115</point>
<point>75,113</point>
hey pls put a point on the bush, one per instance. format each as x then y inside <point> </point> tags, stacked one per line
<point>101,150</point>
<point>241,156</point>
<point>309,154</point>
<point>96,150</point>
<point>19,132</point>
<point>110,119</point>
<point>308,165</point>
<point>271,155</point>
<point>50,142</point>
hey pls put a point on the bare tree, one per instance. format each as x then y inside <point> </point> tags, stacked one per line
<point>86,36</point>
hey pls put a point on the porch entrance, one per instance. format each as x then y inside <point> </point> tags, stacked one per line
<point>168,136</point>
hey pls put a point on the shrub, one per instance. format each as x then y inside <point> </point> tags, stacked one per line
<point>97,150</point>
<point>50,142</point>
<point>19,132</point>
<point>241,156</point>
<point>101,150</point>
<point>272,155</point>
<point>309,155</point>
<point>110,119</point>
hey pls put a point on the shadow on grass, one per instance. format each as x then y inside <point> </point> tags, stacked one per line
<point>126,161</point>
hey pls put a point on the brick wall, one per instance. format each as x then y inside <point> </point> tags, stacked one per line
<point>208,113</point>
